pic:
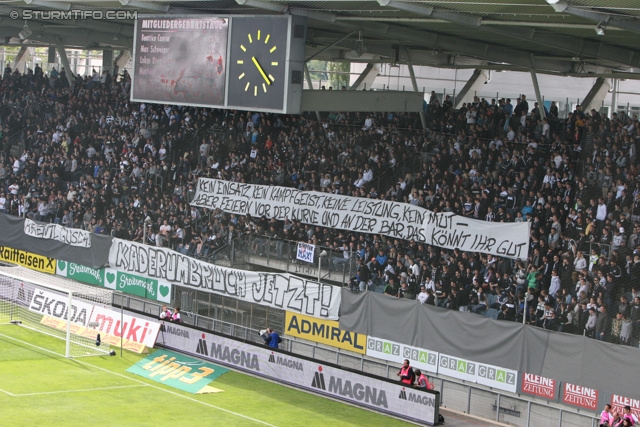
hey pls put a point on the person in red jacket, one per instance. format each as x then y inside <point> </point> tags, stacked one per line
<point>406,374</point>
<point>422,382</point>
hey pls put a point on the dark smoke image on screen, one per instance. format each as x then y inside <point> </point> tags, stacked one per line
<point>180,60</point>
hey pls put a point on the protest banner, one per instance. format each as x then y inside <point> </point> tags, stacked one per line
<point>68,236</point>
<point>284,291</point>
<point>305,252</point>
<point>394,219</point>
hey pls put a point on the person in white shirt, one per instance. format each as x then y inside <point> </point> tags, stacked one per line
<point>422,296</point>
<point>555,283</point>
<point>601,213</point>
<point>546,129</point>
<point>360,182</point>
<point>367,175</point>
<point>16,166</point>
<point>14,188</point>
<point>368,123</point>
<point>580,263</point>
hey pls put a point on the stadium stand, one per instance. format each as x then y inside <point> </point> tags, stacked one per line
<point>86,157</point>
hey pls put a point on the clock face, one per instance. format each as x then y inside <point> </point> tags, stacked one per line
<point>258,53</point>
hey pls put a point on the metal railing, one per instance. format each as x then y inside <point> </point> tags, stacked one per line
<point>278,254</point>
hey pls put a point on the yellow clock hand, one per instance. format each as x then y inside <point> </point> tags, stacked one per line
<point>264,75</point>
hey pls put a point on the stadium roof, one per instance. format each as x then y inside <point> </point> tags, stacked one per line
<point>568,37</point>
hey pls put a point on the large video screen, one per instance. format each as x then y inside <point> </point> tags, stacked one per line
<point>180,60</point>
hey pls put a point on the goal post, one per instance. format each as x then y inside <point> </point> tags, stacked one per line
<point>55,306</point>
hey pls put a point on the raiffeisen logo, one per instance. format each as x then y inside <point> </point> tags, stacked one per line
<point>352,390</point>
<point>224,353</point>
<point>283,361</point>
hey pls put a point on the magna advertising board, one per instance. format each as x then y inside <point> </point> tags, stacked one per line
<point>372,393</point>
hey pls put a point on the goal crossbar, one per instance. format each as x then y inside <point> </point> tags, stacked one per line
<point>54,306</point>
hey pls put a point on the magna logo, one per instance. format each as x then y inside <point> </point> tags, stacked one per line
<point>283,361</point>
<point>352,390</point>
<point>425,400</point>
<point>232,356</point>
<point>179,332</point>
<point>54,305</point>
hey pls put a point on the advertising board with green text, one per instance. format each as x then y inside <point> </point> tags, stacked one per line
<point>153,289</point>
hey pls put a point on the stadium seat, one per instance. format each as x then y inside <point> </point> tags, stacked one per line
<point>491,313</point>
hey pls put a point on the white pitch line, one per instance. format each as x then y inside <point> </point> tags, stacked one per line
<point>149,385</point>
<point>6,392</point>
<point>78,391</point>
<point>180,395</point>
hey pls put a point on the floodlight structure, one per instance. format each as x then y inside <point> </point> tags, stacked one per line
<point>25,33</point>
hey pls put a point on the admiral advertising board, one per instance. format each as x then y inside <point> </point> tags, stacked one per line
<point>323,331</point>
<point>361,390</point>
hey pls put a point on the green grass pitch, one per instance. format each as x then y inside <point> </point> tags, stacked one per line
<point>40,388</point>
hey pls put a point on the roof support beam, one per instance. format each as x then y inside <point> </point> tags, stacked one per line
<point>536,89</point>
<point>473,85</point>
<point>46,33</point>
<point>631,23</point>
<point>163,8</point>
<point>368,76</point>
<point>414,83</point>
<point>65,63</point>
<point>581,47</point>
<point>21,58</point>
<point>596,95</point>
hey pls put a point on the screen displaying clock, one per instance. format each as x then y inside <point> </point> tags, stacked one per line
<point>244,62</point>
<point>258,62</point>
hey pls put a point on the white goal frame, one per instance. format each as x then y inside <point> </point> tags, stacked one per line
<point>16,280</point>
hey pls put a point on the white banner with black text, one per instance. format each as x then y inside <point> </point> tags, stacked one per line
<point>284,291</point>
<point>394,219</point>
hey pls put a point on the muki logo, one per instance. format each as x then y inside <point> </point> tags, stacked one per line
<point>283,361</point>
<point>231,356</point>
<point>351,390</point>
<point>403,394</point>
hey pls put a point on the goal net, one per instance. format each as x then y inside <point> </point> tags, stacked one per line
<point>54,306</point>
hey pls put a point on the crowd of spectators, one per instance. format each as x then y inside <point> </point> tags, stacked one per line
<point>93,159</point>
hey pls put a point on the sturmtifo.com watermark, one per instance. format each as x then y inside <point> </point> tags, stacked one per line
<point>54,15</point>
